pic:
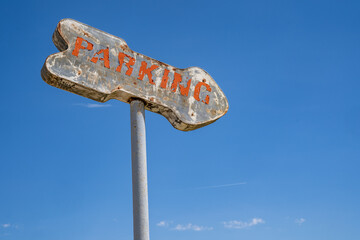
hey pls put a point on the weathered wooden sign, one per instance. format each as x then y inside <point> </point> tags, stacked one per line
<point>100,66</point>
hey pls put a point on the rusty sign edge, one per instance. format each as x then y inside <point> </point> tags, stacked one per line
<point>52,79</point>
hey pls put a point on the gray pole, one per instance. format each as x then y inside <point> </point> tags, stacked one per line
<point>139,171</point>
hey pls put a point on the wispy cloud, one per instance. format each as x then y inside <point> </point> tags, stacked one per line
<point>240,224</point>
<point>300,221</point>
<point>92,105</point>
<point>221,186</point>
<point>163,224</point>
<point>192,227</point>
<point>185,227</point>
<point>6,225</point>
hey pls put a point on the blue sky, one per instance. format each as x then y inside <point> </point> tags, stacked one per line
<point>282,164</point>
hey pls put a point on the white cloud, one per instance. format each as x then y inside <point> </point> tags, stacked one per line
<point>93,105</point>
<point>300,221</point>
<point>6,225</point>
<point>162,224</point>
<point>180,227</point>
<point>192,227</point>
<point>240,225</point>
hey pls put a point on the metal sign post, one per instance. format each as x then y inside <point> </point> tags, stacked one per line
<point>139,170</point>
<point>100,66</point>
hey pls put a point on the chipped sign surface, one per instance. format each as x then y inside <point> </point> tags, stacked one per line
<point>100,66</point>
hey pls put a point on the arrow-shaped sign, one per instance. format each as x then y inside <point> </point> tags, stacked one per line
<point>100,66</point>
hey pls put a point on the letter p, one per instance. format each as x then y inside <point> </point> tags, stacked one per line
<point>78,46</point>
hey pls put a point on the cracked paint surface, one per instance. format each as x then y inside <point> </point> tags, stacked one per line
<point>100,66</point>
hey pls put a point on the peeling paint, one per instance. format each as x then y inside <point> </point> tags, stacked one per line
<point>100,66</point>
